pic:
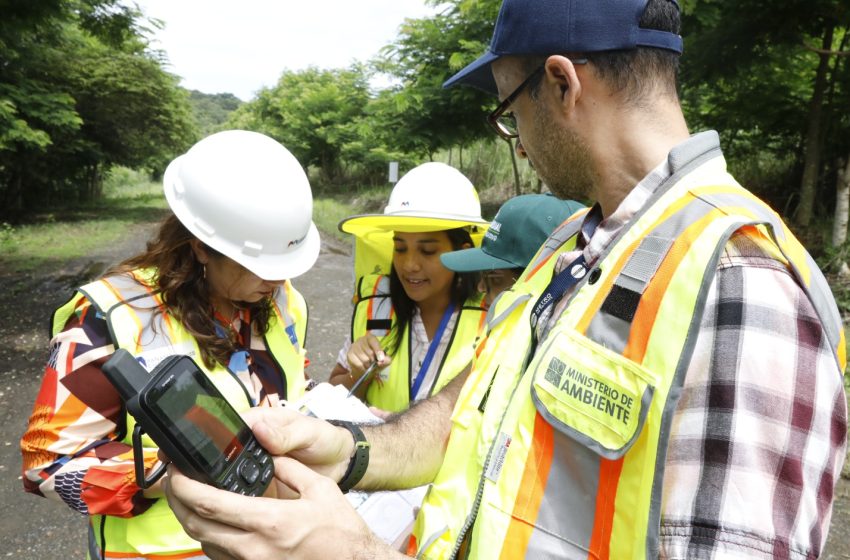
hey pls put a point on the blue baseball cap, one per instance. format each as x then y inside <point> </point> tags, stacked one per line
<point>546,27</point>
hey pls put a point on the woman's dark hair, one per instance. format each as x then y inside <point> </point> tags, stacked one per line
<point>180,282</point>
<point>463,287</point>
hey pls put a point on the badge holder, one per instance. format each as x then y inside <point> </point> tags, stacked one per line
<point>142,481</point>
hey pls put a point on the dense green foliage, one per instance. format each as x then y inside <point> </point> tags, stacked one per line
<point>211,110</point>
<point>79,93</point>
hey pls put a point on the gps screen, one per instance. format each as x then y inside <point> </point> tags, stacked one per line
<point>202,420</point>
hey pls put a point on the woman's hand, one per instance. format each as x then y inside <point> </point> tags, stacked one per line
<point>363,352</point>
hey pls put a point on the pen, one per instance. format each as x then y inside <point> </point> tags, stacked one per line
<point>366,374</point>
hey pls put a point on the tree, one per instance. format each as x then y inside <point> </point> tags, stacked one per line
<point>765,69</point>
<point>79,92</point>
<point>426,53</point>
<point>211,111</point>
<point>314,113</point>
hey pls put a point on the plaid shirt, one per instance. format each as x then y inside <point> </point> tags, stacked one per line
<point>758,437</point>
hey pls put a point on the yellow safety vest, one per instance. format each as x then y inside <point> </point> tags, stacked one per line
<point>373,313</point>
<point>559,451</point>
<point>128,304</point>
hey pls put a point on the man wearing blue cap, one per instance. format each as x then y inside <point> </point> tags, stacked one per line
<point>663,380</point>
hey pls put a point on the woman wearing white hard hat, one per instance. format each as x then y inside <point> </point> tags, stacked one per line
<point>213,284</point>
<point>417,323</point>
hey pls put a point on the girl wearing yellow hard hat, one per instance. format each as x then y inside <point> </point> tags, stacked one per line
<point>414,321</point>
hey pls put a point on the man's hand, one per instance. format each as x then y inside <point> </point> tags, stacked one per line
<point>319,524</point>
<point>323,447</point>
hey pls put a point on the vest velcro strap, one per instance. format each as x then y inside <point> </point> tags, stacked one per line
<point>378,324</point>
<point>621,303</point>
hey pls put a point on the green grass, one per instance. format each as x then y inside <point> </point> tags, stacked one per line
<point>63,234</point>
<point>327,213</point>
<point>130,198</point>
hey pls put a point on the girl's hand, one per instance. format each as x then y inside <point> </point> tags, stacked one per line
<point>363,352</point>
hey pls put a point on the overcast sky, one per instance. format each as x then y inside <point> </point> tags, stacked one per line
<point>219,46</point>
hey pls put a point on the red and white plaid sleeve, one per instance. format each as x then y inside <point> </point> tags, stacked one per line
<point>758,438</point>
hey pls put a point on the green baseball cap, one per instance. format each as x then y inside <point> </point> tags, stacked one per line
<point>519,229</point>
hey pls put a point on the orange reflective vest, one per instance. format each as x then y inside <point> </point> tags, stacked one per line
<point>558,451</point>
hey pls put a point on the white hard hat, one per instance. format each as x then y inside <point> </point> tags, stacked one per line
<point>431,197</point>
<point>247,197</point>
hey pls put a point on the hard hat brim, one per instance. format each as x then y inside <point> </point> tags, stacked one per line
<point>365,224</point>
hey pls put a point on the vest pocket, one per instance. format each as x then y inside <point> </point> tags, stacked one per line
<point>590,393</point>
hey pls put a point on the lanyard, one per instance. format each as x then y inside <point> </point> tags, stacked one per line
<point>240,360</point>
<point>572,273</point>
<point>432,349</point>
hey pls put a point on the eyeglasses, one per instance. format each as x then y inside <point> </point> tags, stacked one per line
<point>504,123</point>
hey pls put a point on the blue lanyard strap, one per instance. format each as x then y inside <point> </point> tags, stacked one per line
<point>432,349</point>
<point>572,273</point>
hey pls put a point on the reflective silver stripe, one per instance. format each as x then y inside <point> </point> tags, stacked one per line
<point>642,265</point>
<point>613,332</point>
<point>565,520</point>
<point>137,299</point>
<point>493,321</point>
<point>555,241</point>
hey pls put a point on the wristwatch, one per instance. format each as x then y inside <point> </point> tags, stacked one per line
<point>359,459</point>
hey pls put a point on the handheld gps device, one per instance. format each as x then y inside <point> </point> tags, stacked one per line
<point>189,419</point>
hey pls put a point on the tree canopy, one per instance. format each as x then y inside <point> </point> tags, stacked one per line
<point>80,92</point>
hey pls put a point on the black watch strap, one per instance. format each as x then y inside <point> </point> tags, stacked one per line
<point>359,460</point>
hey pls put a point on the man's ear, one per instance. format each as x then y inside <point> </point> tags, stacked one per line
<point>200,251</point>
<point>561,75</point>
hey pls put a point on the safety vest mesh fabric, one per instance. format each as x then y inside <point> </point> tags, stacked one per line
<point>139,323</point>
<point>561,454</point>
<point>373,313</point>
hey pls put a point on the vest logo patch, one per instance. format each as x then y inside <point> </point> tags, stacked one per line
<point>555,371</point>
<point>585,391</point>
<point>497,459</point>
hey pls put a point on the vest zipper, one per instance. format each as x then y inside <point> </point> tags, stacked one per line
<point>470,520</point>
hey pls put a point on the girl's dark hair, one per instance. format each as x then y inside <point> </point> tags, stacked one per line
<point>180,282</point>
<point>463,287</point>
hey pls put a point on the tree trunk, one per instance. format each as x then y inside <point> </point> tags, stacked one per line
<point>450,156</point>
<point>517,188</point>
<point>460,157</point>
<point>842,203</point>
<point>812,145</point>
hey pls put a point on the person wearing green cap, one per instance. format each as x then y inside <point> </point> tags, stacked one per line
<point>520,227</point>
